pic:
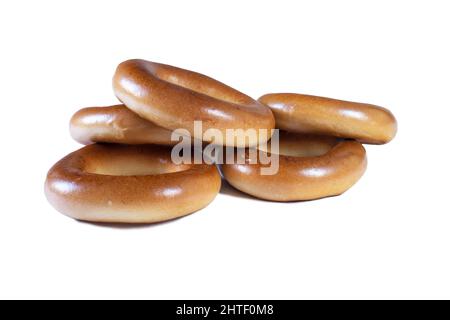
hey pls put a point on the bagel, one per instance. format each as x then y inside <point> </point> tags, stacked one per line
<point>116,124</point>
<point>310,167</point>
<point>318,115</point>
<point>128,184</point>
<point>174,98</point>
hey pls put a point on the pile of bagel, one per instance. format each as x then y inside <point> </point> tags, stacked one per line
<point>125,173</point>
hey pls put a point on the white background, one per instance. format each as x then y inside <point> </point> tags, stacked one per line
<point>387,237</point>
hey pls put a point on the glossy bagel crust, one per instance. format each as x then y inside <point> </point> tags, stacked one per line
<point>116,124</point>
<point>128,184</point>
<point>318,115</point>
<point>174,98</point>
<point>306,177</point>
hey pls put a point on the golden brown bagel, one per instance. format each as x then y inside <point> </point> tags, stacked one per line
<point>310,114</point>
<point>310,167</point>
<point>174,98</point>
<point>129,184</point>
<point>116,124</point>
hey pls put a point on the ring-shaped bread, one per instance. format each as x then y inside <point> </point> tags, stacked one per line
<point>301,113</point>
<point>175,98</point>
<point>116,124</point>
<point>129,184</point>
<point>310,167</point>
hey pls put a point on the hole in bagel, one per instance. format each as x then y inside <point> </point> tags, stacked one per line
<point>118,164</point>
<point>134,168</point>
<point>301,145</point>
<point>199,83</point>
